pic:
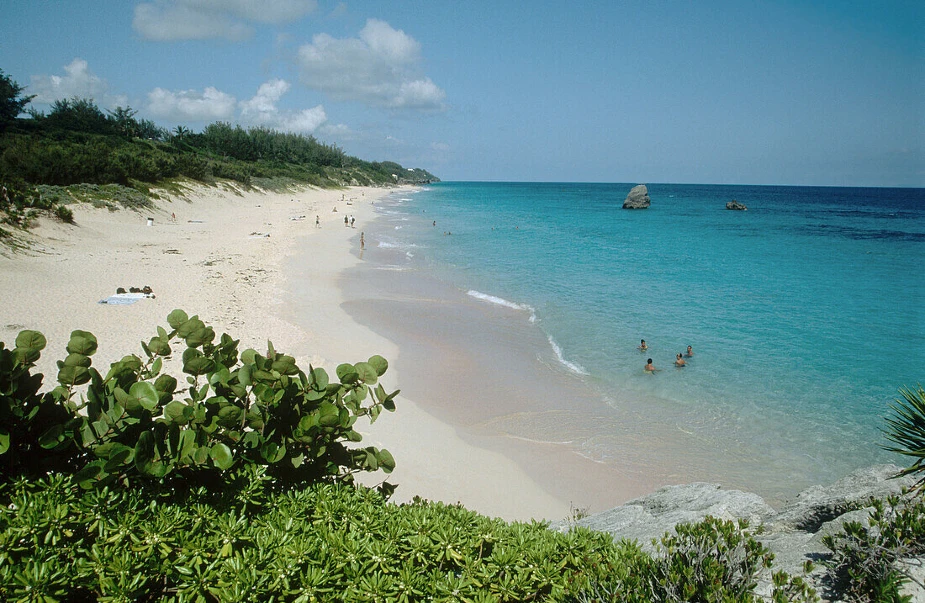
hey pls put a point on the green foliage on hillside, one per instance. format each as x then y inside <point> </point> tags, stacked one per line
<point>76,142</point>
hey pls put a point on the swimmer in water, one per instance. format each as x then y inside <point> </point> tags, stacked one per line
<point>679,361</point>
<point>643,346</point>
<point>650,368</point>
<point>690,351</point>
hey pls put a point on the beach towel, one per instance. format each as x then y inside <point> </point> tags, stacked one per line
<point>123,299</point>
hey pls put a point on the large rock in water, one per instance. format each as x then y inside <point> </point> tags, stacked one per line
<point>638,198</point>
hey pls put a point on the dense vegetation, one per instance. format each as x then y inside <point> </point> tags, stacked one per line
<point>237,486</point>
<point>76,143</point>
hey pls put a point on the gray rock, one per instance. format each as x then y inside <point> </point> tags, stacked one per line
<point>651,516</point>
<point>638,198</point>
<point>819,504</point>
<point>735,205</point>
<point>794,535</point>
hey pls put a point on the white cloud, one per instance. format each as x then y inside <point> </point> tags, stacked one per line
<point>305,121</point>
<point>261,110</point>
<point>78,81</point>
<point>204,19</point>
<point>191,105</point>
<point>262,106</point>
<point>379,68</point>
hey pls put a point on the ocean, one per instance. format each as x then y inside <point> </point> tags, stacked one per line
<point>804,314</point>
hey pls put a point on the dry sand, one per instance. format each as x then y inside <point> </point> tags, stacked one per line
<point>254,265</point>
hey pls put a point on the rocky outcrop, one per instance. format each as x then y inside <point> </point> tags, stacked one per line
<point>793,534</point>
<point>735,205</point>
<point>638,198</point>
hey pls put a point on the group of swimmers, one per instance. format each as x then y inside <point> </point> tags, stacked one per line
<point>679,359</point>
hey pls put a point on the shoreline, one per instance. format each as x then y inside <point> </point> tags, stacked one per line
<point>254,265</point>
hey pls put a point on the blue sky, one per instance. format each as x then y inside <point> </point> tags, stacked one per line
<point>760,92</point>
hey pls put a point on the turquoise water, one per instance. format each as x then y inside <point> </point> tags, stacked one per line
<point>804,312</point>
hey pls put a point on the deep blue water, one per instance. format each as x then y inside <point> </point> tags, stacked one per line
<point>804,312</point>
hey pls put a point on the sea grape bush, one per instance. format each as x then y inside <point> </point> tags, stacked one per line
<point>139,424</point>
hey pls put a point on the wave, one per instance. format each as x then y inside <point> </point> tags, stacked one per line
<point>572,366</point>
<point>388,245</point>
<point>503,302</point>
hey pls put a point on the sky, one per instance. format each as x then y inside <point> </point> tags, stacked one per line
<point>828,93</point>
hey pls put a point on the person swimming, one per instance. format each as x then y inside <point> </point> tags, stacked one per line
<point>650,368</point>
<point>679,361</point>
<point>643,346</point>
<point>690,351</point>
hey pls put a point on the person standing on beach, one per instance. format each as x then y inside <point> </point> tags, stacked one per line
<point>352,220</point>
<point>317,222</point>
<point>346,221</point>
<point>679,361</point>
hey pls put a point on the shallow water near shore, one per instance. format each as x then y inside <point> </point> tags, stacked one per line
<point>518,315</point>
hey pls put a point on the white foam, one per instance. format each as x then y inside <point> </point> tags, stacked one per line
<point>575,368</point>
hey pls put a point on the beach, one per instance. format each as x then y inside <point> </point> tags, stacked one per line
<point>255,265</point>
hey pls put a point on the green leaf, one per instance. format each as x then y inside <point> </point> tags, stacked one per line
<point>328,415</point>
<point>200,336</point>
<point>32,340</point>
<point>4,441</point>
<point>82,342</point>
<point>347,374</point>
<point>380,364</point>
<point>77,360</point>
<point>367,372</point>
<point>244,375</point>
<point>320,377</point>
<point>73,375</point>
<point>159,346</point>
<point>174,412</point>
<point>386,461</point>
<point>189,327</point>
<point>272,453</point>
<point>144,394</point>
<point>88,474</point>
<point>176,319</point>
<point>221,456</point>
<point>195,363</point>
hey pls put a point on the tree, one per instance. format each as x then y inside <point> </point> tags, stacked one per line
<point>12,102</point>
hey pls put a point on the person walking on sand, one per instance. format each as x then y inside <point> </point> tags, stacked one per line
<point>690,351</point>
<point>352,220</point>
<point>679,362</point>
<point>642,346</point>
<point>317,221</point>
<point>346,221</point>
<point>362,241</point>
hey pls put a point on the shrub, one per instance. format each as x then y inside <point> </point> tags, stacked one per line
<point>63,213</point>
<point>863,564</point>
<point>138,425</point>
<point>321,543</point>
<point>712,560</point>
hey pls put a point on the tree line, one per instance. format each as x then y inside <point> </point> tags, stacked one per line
<point>77,142</point>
